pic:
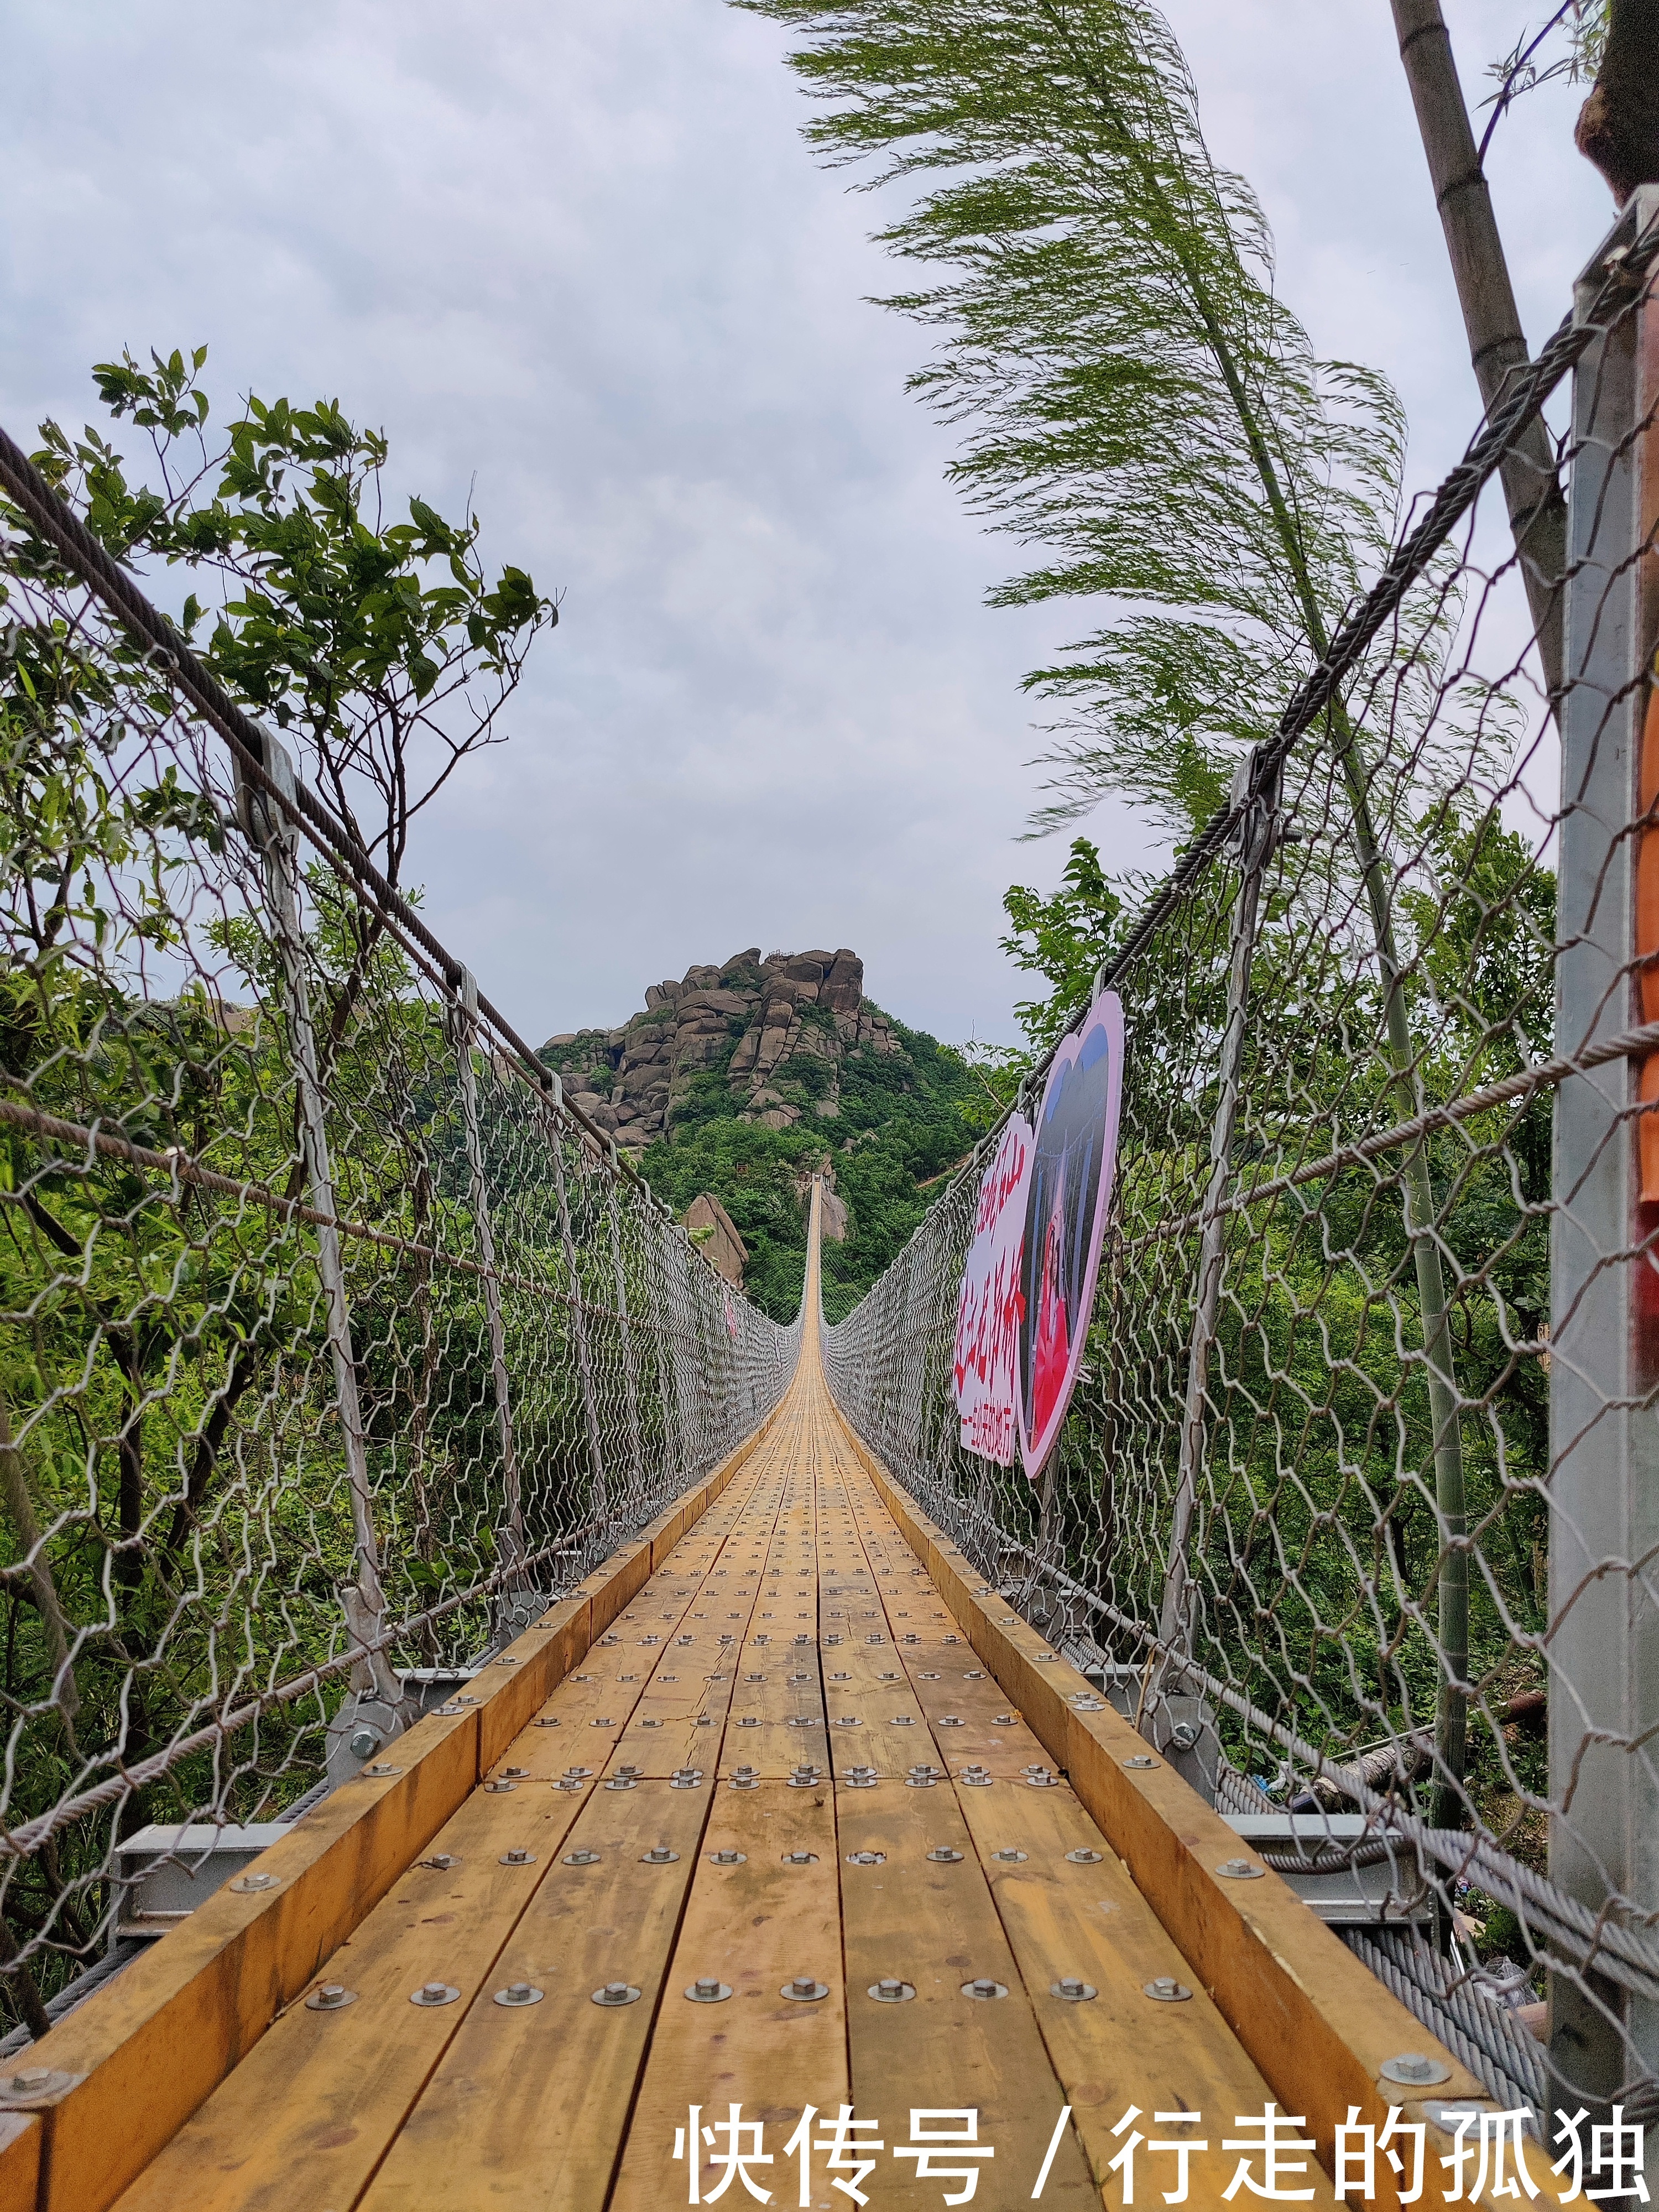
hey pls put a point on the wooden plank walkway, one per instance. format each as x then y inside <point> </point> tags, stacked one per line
<point>780,1840</point>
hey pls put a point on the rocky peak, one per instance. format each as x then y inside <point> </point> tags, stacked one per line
<point>776,1029</point>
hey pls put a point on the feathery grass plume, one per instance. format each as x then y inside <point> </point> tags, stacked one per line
<point>1136,403</point>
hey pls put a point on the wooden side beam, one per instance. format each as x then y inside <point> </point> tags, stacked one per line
<point>1318,2024</point>
<point>144,2051</point>
<point>20,2137</point>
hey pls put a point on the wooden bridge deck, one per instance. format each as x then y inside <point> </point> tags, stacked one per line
<point>792,1765</point>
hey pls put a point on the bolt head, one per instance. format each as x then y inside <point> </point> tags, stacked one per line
<point>1239,1870</point>
<point>944,1855</point>
<point>29,2079</point>
<point>983,1988</point>
<point>1084,1857</point>
<point>1415,2069</point>
<point>364,1742</point>
<point>1166,1989</point>
<point>581,1858</point>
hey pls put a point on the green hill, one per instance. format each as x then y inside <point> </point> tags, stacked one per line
<point>744,1080</point>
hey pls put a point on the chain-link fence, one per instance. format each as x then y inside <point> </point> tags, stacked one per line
<point>1357,1510</point>
<point>333,1343</point>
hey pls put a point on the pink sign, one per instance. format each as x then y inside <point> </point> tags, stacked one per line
<point>988,1308</point>
<point>1068,1194</point>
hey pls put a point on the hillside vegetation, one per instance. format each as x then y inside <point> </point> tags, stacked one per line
<point>743,1080</point>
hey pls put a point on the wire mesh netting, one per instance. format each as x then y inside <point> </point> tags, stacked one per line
<point>331,1344</point>
<point>1355,1509</point>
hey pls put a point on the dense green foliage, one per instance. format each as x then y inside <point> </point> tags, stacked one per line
<point>176,1528</point>
<point>1065,939</point>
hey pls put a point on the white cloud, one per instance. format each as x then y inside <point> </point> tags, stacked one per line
<point>582,257</point>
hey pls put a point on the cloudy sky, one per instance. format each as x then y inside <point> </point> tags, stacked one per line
<point>577,258</point>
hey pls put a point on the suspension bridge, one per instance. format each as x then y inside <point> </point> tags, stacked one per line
<point>493,1717</point>
<point>782,1809</point>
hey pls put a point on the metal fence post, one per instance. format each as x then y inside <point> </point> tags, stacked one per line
<point>375,1712</point>
<point>1602,1647</point>
<point>515,1605</point>
<point>626,1336</point>
<point>1257,834</point>
<point>599,1502</point>
<point>663,1339</point>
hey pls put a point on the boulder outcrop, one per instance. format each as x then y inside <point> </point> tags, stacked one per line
<point>776,1030</point>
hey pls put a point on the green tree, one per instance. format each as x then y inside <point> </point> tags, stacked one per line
<point>382,648</point>
<point>153,1336</point>
<point>1065,938</point>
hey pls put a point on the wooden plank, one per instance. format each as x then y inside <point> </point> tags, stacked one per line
<point>146,2051</point>
<point>148,2048</point>
<point>972,1722</point>
<point>528,2106</point>
<point>680,1719</point>
<point>291,2118</point>
<point>1122,2047</point>
<point>776,1716</point>
<point>869,1684</point>
<point>752,1926</point>
<point>1314,2021</point>
<point>309,2113</point>
<point>936,1928</point>
<point>21,2135</point>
